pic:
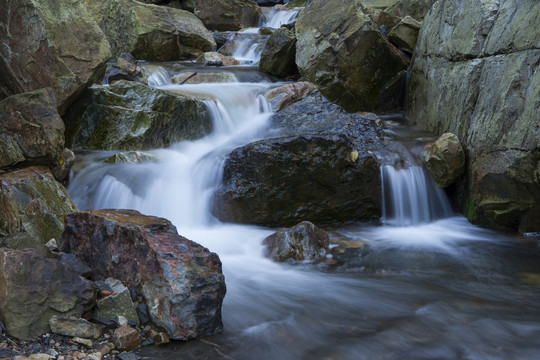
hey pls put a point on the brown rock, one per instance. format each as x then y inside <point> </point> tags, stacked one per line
<point>285,95</point>
<point>180,281</point>
<point>126,338</point>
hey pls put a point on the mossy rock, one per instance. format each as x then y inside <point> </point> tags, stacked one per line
<point>151,32</point>
<point>132,116</point>
<point>33,208</point>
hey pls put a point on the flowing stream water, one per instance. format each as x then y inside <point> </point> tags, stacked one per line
<point>423,285</point>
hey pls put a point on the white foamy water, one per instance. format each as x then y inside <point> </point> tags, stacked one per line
<point>275,18</point>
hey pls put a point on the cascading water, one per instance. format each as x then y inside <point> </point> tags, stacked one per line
<point>430,290</point>
<point>410,197</point>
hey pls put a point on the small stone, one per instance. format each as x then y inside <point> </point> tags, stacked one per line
<point>85,342</point>
<point>52,245</point>
<point>95,356</point>
<point>126,338</point>
<point>105,350</point>
<point>132,323</point>
<point>121,321</point>
<point>74,327</point>
<point>142,311</point>
<point>52,352</point>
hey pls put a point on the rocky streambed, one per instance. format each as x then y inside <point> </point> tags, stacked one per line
<point>243,179</point>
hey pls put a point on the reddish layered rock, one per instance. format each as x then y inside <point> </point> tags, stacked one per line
<point>181,281</point>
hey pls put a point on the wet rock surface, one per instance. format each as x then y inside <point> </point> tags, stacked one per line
<point>42,48</point>
<point>445,159</point>
<point>180,281</point>
<point>34,288</point>
<point>132,116</point>
<point>303,241</point>
<point>278,55</point>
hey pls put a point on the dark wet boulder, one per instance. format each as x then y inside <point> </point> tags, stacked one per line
<point>444,159</point>
<point>151,32</point>
<point>281,181</point>
<point>180,281</point>
<point>223,15</point>
<point>48,43</point>
<point>31,131</point>
<point>303,241</point>
<point>33,205</point>
<point>342,51</point>
<point>34,288</point>
<point>278,55</point>
<point>132,116</point>
<point>475,74</point>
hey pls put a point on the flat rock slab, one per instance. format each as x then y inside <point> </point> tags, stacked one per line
<point>180,281</point>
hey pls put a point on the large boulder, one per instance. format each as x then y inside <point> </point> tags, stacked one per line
<point>180,281</point>
<point>132,116</point>
<point>341,50</point>
<point>33,289</point>
<point>303,241</point>
<point>316,165</point>
<point>388,13</point>
<point>476,74</point>
<point>445,159</point>
<point>152,32</point>
<point>33,207</point>
<point>31,131</point>
<point>48,43</point>
<point>278,55</point>
<point>225,15</point>
<point>228,15</point>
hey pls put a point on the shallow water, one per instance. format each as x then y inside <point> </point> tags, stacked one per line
<point>437,289</point>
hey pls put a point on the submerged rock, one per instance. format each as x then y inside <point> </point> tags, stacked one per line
<point>223,15</point>
<point>341,51</point>
<point>34,288</point>
<point>42,47</point>
<point>31,131</point>
<point>151,32</point>
<point>445,159</point>
<point>278,55</point>
<point>303,241</point>
<point>131,157</point>
<point>476,75</point>
<point>201,77</point>
<point>180,281</point>
<point>33,208</point>
<point>133,116</point>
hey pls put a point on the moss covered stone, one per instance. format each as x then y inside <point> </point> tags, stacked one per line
<point>49,43</point>
<point>133,116</point>
<point>152,32</point>
<point>33,208</point>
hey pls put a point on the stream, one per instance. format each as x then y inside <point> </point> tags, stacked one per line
<point>425,284</point>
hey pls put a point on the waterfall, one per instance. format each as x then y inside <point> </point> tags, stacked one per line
<point>411,197</point>
<point>275,18</point>
<point>188,172</point>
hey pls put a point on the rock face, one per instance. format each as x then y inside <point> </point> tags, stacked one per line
<point>303,241</point>
<point>390,12</point>
<point>180,281</point>
<point>225,15</point>
<point>476,75</point>
<point>34,288</point>
<point>49,43</point>
<point>278,56</point>
<point>132,116</point>
<point>341,50</point>
<point>31,131</point>
<point>151,32</point>
<point>33,207</point>
<point>445,159</point>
